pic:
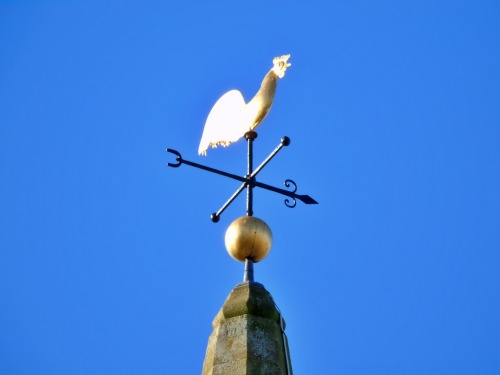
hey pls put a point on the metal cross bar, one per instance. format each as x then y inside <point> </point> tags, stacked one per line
<point>249,181</point>
<point>215,216</point>
<point>285,141</point>
<point>180,161</point>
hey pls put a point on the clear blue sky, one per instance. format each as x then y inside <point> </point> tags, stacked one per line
<point>109,263</point>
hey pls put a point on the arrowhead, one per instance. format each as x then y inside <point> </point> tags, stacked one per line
<point>306,199</point>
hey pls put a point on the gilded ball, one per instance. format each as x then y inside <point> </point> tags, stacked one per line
<point>248,237</point>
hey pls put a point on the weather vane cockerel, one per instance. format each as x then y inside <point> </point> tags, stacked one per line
<point>231,117</point>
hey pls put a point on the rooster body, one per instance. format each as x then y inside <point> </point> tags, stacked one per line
<point>231,117</point>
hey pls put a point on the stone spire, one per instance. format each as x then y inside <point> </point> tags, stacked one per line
<point>248,335</point>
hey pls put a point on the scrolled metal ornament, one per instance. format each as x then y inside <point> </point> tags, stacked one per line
<point>288,183</point>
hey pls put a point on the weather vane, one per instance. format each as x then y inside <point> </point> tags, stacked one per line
<point>248,238</point>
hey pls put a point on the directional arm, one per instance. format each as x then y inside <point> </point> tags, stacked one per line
<point>249,180</point>
<point>285,141</point>
<point>180,161</point>
<point>301,197</point>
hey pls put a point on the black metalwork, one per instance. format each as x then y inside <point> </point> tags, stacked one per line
<point>250,137</point>
<point>249,181</point>
<point>287,202</point>
<point>248,274</point>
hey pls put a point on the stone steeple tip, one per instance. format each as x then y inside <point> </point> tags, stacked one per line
<point>248,335</point>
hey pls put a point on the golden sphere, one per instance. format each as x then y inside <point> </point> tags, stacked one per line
<point>248,237</point>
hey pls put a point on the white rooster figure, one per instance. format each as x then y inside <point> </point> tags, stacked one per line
<point>231,117</point>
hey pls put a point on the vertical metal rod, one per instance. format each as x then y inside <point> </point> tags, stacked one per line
<point>250,136</point>
<point>248,275</point>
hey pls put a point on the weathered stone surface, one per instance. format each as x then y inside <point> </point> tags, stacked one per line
<point>247,337</point>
